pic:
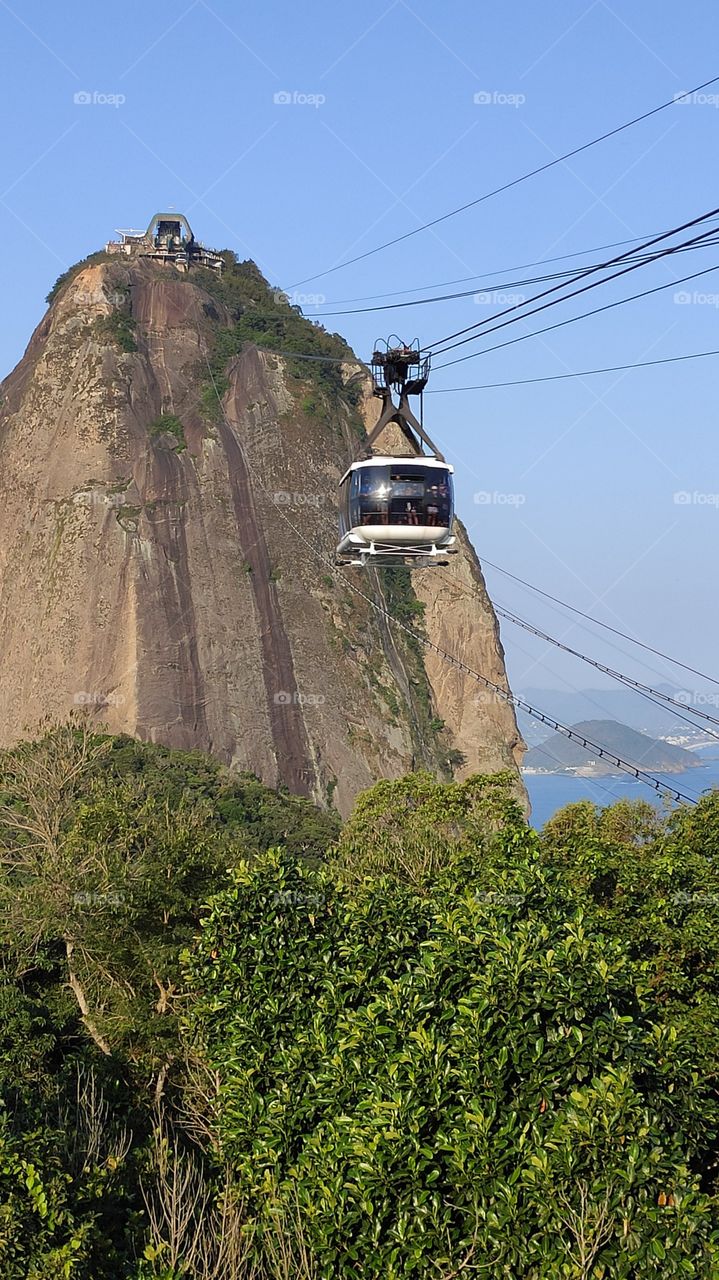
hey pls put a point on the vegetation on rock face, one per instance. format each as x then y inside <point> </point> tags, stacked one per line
<point>90,261</point>
<point>402,603</point>
<point>265,316</point>
<point>239,1044</point>
<point>119,328</point>
<point>168,424</point>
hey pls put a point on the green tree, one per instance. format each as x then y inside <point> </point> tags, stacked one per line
<point>107,853</point>
<point>449,1068</point>
<point>414,827</point>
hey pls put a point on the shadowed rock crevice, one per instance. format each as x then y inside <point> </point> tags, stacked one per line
<point>278,674</point>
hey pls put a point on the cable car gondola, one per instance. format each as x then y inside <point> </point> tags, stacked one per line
<point>393,509</point>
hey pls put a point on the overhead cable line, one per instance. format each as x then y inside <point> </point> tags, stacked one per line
<point>575,273</point>
<point>298,355</point>
<point>632,261</point>
<point>522,266</point>
<point>580,373</point>
<point>645,690</point>
<point>665,700</point>
<point>507,186</point>
<point>634,258</point>
<point>584,315</point>
<point>596,622</point>
<point>488,386</point>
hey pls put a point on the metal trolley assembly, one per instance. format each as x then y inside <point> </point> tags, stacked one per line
<point>397,510</point>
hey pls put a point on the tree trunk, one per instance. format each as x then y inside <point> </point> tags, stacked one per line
<point>79,994</point>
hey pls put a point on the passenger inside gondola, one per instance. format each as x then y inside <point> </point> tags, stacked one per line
<point>407,504</point>
<point>400,496</point>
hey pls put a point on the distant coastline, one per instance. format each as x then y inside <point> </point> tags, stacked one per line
<point>550,792</point>
<point>597,771</point>
<point>596,745</point>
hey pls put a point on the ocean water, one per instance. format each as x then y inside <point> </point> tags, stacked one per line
<point>551,792</point>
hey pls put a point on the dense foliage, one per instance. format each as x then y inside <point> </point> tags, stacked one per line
<point>456,1058</point>
<point>237,1043</point>
<point>108,849</point>
<point>266,317</point>
<point>118,328</point>
<point>168,424</point>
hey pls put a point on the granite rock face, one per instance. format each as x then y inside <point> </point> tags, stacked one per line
<point>167,567</point>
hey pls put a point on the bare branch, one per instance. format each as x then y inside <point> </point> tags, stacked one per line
<point>79,994</point>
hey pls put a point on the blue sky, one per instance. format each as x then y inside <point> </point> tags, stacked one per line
<point>382,134</point>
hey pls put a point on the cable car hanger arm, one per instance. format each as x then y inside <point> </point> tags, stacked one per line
<point>406,419</point>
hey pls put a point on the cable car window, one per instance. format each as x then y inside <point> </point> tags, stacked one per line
<point>421,497</point>
<point>438,506</point>
<point>408,489</point>
<point>391,495</point>
<point>369,496</point>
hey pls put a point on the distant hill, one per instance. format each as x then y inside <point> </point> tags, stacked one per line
<point>560,755</point>
<point>623,705</point>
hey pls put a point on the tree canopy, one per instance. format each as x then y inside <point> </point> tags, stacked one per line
<point>239,1043</point>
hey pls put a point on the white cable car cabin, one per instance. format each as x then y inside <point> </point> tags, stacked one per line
<point>396,511</point>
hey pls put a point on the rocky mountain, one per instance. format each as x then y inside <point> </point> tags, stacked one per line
<point>167,526</point>
<point>560,755</point>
